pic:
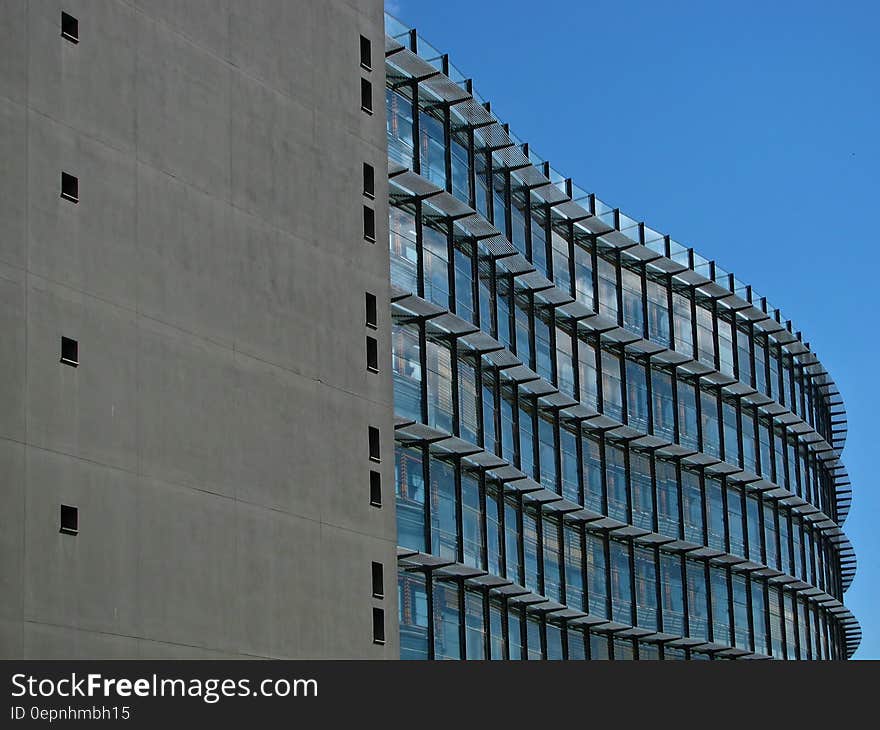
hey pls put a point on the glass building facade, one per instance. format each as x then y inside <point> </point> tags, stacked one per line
<point>607,447</point>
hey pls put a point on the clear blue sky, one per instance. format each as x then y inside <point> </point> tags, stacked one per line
<point>747,130</point>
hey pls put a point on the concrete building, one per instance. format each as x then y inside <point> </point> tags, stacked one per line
<point>307,355</point>
<point>207,256</point>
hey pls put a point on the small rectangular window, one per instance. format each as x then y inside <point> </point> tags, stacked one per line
<point>69,351</point>
<point>366,53</point>
<point>69,519</point>
<point>369,181</point>
<point>372,355</point>
<point>366,96</point>
<point>375,489</point>
<point>70,187</point>
<point>69,27</point>
<point>372,315</point>
<point>374,444</point>
<point>378,626</point>
<point>378,580</point>
<point>369,224</point>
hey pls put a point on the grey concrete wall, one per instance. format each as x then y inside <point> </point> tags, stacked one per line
<point>214,435</point>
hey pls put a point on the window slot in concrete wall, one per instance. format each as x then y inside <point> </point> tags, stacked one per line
<point>69,519</point>
<point>366,54</point>
<point>70,187</point>
<point>378,626</point>
<point>69,351</point>
<point>69,27</point>
<point>375,489</point>
<point>378,580</point>
<point>369,181</point>
<point>375,451</point>
<point>366,96</point>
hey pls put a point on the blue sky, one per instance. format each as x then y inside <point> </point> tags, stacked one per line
<point>747,130</point>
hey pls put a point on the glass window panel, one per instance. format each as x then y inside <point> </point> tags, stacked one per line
<point>692,504</point>
<point>588,373</point>
<point>467,402</point>
<point>561,270</point>
<point>530,550</point>
<point>633,317</point>
<point>621,599</point>
<point>770,536</point>
<point>698,608</point>
<point>554,642</point>
<point>754,528</point>
<point>543,350</point>
<point>552,575</point>
<point>564,362</point>
<point>475,630</point>
<point>709,419</point>
<point>596,567</point>
<point>759,620</point>
<point>574,583</point>
<point>533,632</point>
<point>410,489</point>
<point>444,534</point>
<point>461,188</point>
<point>748,440</point>
<point>576,647</point>
<point>439,371</point>
<point>481,186</point>
<point>518,223</point>
<point>735,521</point>
<point>447,621</point>
<point>514,634</point>
<point>636,395</point>
<point>720,606</point>
<point>583,272</point>
<point>592,458</point>
<point>731,431</point>
<point>598,647</point>
<point>740,611</point>
<point>681,312</point>
<point>646,587</point>
<point>488,408</point>
<point>508,426</point>
<point>471,520</point>
<point>664,406</point>
<point>569,460</point>
<point>539,239</point>
<point>526,439</point>
<point>715,509</point>
<point>432,149</point>
<point>412,603</point>
<point>725,347</point>
<point>407,372</point>
<point>399,128</point>
<point>658,313</point>
<point>493,530</point>
<point>607,289</point>
<point>642,490</point>
<point>615,475</point>
<point>496,632</point>
<point>403,248</point>
<point>435,253</point>
<point>687,415</point>
<point>705,337</point>
<point>511,543</point>
<point>464,282</point>
<point>612,395</point>
<point>672,594</point>
<point>667,498</point>
<point>547,451</point>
